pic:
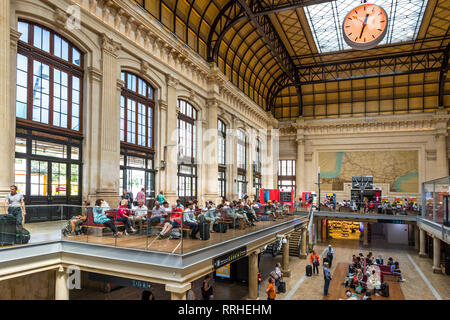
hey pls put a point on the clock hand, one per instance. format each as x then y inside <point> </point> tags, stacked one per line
<point>364,25</point>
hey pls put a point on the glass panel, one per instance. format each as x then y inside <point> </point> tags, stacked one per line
<point>131,121</point>
<point>49,149</point>
<point>22,27</point>
<point>122,118</point>
<point>141,124</point>
<point>150,128</point>
<point>40,92</point>
<point>60,92</point>
<point>135,181</point>
<point>76,103</point>
<point>20,174</point>
<point>150,184</point>
<point>75,153</point>
<point>59,182</point>
<point>135,162</point>
<point>39,178</point>
<point>76,57</point>
<point>74,179</point>
<point>21,86</point>
<point>21,145</point>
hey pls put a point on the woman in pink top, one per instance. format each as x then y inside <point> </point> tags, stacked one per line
<point>123,215</point>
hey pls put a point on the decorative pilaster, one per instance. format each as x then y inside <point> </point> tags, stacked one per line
<point>209,156</point>
<point>7,112</point>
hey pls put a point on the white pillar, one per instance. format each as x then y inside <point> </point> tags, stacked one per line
<point>178,292</point>
<point>422,252</point>
<point>303,244</point>
<point>170,148</point>
<point>437,255</point>
<point>253,276</point>
<point>61,288</point>
<point>7,103</point>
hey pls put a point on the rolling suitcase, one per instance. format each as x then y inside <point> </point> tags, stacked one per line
<point>22,235</point>
<point>8,225</point>
<point>204,231</point>
<point>384,288</point>
<point>282,287</point>
<point>308,270</point>
<point>220,227</point>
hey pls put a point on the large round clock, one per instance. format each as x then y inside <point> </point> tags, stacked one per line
<point>365,26</point>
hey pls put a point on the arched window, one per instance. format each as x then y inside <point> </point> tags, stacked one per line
<point>136,111</point>
<point>136,135</point>
<point>257,169</point>
<point>187,140</point>
<point>286,174</point>
<point>241,163</point>
<point>49,87</point>
<point>49,78</point>
<point>221,155</point>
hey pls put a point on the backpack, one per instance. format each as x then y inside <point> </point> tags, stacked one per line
<point>175,234</point>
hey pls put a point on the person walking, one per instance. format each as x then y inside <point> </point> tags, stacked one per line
<point>315,261</point>
<point>207,289</point>
<point>140,196</point>
<point>329,253</point>
<point>15,204</point>
<point>327,278</point>
<point>271,293</point>
<point>259,282</point>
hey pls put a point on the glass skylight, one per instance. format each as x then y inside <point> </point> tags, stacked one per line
<point>325,20</point>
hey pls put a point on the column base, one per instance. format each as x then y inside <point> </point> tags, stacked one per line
<point>250,299</point>
<point>302,255</point>
<point>286,273</point>
<point>437,270</point>
<point>423,255</point>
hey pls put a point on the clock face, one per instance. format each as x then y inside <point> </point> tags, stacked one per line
<point>365,26</point>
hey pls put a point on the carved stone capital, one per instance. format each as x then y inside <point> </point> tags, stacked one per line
<point>212,103</point>
<point>14,36</point>
<point>162,104</point>
<point>172,81</point>
<point>110,46</point>
<point>95,74</point>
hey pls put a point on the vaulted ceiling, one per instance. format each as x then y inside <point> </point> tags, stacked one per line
<point>289,57</point>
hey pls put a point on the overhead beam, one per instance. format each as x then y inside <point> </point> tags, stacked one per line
<point>443,75</point>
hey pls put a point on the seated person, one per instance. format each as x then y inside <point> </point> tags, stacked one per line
<point>373,281</point>
<point>233,213</point>
<point>101,218</point>
<point>174,221</point>
<point>245,211</point>
<point>140,214</point>
<point>350,296</point>
<point>270,209</point>
<point>157,215</point>
<point>390,261</point>
<point>395,269</point>
<point>76,221</point>
<point>211,215</point>
<point>358,279</point>
<point>367,296</point>
<point>124,215</point>
<point>379,260</point>
<point>190,220</point>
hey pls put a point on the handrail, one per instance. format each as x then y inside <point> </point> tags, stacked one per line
<point>311,219</point>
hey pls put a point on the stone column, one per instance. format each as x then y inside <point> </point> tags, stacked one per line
<point>170,148</point>
<point>251,142</point>
<point>437,255</point>
<point>178,292</point>
<point>285,265</point>
<point>7,103</point>
<point>210,153</point>
<point>303,244</point>
<point>422,252</point>
<point>106,137</point>
<point>416,238</point>
<point>61,289</point>
<point>253,276</point>
<point>366,234</point>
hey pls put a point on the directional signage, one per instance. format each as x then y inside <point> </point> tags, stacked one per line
<point>230,257</point>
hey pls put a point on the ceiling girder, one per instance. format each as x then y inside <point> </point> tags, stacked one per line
<point>443,75</point>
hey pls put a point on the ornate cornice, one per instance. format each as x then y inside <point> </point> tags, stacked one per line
<point>95,74</point>
<point>172,81</point>
<point>110,46</point>
<point>394,123</point>
<point>14,36</point>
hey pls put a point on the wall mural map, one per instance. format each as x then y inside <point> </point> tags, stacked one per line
<point>398,168</point>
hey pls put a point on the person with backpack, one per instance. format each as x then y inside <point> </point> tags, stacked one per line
<point>315,261</point>
<point>329,253</point>
<point>207,289</point>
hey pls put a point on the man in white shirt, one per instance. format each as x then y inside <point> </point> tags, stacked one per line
<point>15,203</point>
<point>140,214</point>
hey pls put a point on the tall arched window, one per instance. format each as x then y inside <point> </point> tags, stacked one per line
<point>136,135</point>
<point>286,174</point>
<point>187,140</point>
<point>241,163</point>
<point>257,169</point>
<point>49,87</point>
<point>221,155</point>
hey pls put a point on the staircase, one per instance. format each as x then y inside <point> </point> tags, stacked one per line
<point>294,243</point>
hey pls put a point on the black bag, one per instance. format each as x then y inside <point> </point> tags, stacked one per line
<point>204,231</point>
<point>384,288</point>
<point>22,235</point>
<point>282,287</point>
<point>220,227</point>
<point>8,225</point>
<point>175,233</point>
<point>308,270</point>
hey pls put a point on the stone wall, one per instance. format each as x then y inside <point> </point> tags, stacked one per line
<point>37,286</point>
